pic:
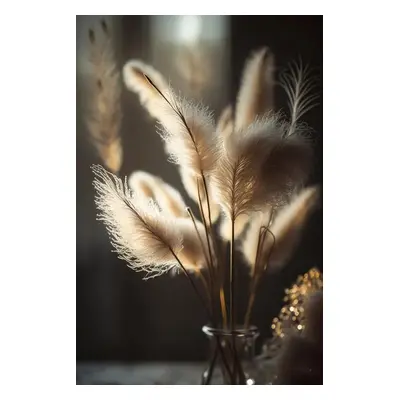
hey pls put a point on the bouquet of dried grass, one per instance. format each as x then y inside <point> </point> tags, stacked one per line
<point>247,170</point>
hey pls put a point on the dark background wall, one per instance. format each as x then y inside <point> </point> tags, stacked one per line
<point>122,317</point>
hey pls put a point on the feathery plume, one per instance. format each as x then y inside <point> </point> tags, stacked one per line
<point>142,235</point>
<point>188,134</point>
<point>190,184</point>
<point>135,225</point>
<point>168,198</point>
<point>255,97</point>
<point>225,122</point>
<point>258,166</point>
<point>286,228</point>
<point>240,225</point>
<point>252,239</point>
<point>188,128</point>
<point>134,74</point>
<point>103,114</point>
<point>192,255</point>
<point>298,85</point>
<point>289,223</point>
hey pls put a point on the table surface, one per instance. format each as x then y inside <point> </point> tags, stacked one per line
<point>144,373</point>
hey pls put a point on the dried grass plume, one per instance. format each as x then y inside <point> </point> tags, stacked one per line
<point>167,197</point>
<point>259,166</point>
<point>134,74</point>
<point>103,109</point>
<point>286,228</point>
<point>142,235</point>
<point>256,92</point>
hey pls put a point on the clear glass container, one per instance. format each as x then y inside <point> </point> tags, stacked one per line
<point>232,356</point>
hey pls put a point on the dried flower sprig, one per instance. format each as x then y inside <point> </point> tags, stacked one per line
<point>103,115</point>
<point>251,165</point>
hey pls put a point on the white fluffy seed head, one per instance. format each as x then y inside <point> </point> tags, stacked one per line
<point>259,166</point>
<point>192,255</point>
<point>134,72</point>
<point>167,197</point>
<point>256,94</point>
<point>136,225</point>
<point>189,133</point>
<point>286,226</point>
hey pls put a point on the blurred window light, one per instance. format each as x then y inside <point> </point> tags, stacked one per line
<point>189,29</point>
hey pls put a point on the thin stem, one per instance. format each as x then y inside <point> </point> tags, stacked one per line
<point>223,307</point>
<point>207,286</point>
<point>231,277</point>
<point>189,211</point>
<point>251,303</point>
<point>257,278</point>
<point>209,210</point>
<point>211,269</point>
<point>232,297</point>
<point>221,276</point>
<point>211,368</point>
<point>204,221</point>
<point>260,245</point>
<point>214,243</point>
<point>205,307</point>
<point>193,285</point>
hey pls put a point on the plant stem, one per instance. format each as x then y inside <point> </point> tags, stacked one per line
<point>193,285</point>
<point>211,368</point>
<point>205,307</point>
<point>231,277</point>
<point>223,307</point>
<point>251,303</point>
<point>206,287</point>
<point>204,221</point>
<point>232,297</point>
<point>211,265</point>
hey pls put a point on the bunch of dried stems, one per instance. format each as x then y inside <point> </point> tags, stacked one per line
<point>246,171</point>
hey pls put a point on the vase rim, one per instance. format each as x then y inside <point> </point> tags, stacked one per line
<point>239,331</point>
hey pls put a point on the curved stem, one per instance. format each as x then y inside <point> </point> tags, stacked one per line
<point>205,307</point>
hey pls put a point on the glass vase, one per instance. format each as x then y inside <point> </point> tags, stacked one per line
<point>232,356</point>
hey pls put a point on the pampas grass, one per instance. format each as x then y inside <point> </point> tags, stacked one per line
<point>146,238</point>
<point>195,190</point>
<point>225,122</point>
<point>103,109</point>
<point>188,132</point>
<point>285,229</point>
<point>256,95</point>
<point>298,83</point>
<point>168,198</point>
<point>240,225</point>
<point>258,166</point>
<point>250,167</point>
<point>134,75</point>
